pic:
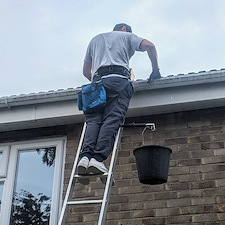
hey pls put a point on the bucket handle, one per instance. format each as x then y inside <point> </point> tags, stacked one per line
<point>150,126</point>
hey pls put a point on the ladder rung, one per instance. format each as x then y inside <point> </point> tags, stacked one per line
<point>90,176</point>
<point>96,201</point>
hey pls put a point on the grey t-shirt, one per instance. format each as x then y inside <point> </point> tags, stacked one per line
<point>112,48</point>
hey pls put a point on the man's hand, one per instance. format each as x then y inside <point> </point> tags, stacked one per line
<point>154,75</point>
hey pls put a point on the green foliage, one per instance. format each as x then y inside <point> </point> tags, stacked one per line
<point>30,210</point>
<point>48,157</point>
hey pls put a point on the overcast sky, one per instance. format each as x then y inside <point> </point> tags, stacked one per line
<point>43,42</point>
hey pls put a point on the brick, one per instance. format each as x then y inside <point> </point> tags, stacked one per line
<point>215,159</point>
<point>165,195</point>
<point>218,137</point>
<point>124,167</point>
<point>179,202</point>
<point>213,175</point>
<point>154,204</point>
<point>129,190</point>
<point>180,155</point>
<point>190,147</point>
<point>201,153</point>
<point>177,186</point>
<point>203,184</point>
<point>167,212</point>
<point>132,206</point>
<point>119,199</point>
<point>153,188</point>
<point>199,139</point>
<point>181,219</point>
<point>212,145</point>
<point>204,168</point>
<point>173,141</point>
<point>219,152</point>
<point>189,193</point>
<point>119,215</point>
<point>179,170</point>
<point>214,208</point>
<point>207,192</point>
<point>203,201</point>
<point>143,213</point>
<point>191,177</point>
<point>190,162</point>
<point>141,197</point>
<point>220,183</point>
<point>196,209</point>
<point>204,218</point>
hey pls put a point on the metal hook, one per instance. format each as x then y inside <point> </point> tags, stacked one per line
<point>150,126</point>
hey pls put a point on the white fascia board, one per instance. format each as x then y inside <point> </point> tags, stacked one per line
<point>161,96</point>
<point>40,112</point>
<point>150,102</point>
<point>183,98</point>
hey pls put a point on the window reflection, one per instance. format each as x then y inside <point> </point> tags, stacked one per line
<point>33,187</point>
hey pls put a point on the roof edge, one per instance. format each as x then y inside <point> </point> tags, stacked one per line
<point>211,76</point>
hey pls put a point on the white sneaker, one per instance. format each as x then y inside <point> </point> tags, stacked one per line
<point>82,166</point>
<point>96,167</point>
<point>82,170</point>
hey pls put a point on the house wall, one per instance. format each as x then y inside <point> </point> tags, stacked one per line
<point>194,193</point>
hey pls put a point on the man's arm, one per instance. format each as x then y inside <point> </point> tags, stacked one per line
<point>152,54</point>
<point>87,70</point>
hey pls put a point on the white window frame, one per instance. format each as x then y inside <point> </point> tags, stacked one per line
<point>4,150</point>
<point>9,183</point>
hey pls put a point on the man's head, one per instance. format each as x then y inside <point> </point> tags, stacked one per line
<point>122,27</point>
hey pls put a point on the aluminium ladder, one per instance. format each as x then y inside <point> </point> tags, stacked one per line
<point>105,199</point>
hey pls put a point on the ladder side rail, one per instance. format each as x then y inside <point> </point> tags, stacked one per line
<point>69,187</point>
<point>103,211</point>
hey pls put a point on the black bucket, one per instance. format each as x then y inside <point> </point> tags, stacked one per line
<point>152,163</point>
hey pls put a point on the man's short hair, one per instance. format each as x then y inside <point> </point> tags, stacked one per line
<point>120,25</point>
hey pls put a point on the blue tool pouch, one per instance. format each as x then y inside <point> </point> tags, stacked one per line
<point>92,97</point>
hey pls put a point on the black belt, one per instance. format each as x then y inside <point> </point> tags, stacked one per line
<point>106,70</point>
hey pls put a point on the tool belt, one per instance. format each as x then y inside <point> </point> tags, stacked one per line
<point>113,69</point>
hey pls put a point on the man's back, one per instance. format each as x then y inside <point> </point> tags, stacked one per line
<point>112,48</point>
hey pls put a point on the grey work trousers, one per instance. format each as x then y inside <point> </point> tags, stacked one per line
<point>103,125</point>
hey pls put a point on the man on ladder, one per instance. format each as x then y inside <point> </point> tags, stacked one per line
<point>107,60</point>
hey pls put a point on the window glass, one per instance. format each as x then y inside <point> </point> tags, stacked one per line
<point>33,187</point>
<point>0,158</point>
<point>1,190</point>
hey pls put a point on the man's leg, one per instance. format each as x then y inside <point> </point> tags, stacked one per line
<point>119,92</point>
<point>91,134</point>
<point>94,122</point>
